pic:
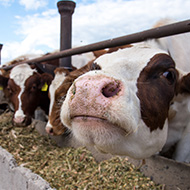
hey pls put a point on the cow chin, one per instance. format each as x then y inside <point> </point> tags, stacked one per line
<point>98,132</point>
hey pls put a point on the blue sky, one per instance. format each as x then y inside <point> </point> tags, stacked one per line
<point>32,26</point>
<point>10,9</point>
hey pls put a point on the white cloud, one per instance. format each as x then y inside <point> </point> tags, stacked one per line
<point>93,22</point>
<point>38,31</point>
<point>106,19</point>
<point>6,2</point>
<point>33,4</point>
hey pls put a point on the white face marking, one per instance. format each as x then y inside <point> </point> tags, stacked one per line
<point>56,83</point>
<point>48,126</point>
<point>124,133</point>
<point>20,74</point>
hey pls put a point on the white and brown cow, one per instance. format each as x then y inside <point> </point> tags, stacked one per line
<point>123,108</point>
<point>27,89</point>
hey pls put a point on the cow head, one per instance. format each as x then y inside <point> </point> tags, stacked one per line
<point>123,107</point>
<point>27,89</point>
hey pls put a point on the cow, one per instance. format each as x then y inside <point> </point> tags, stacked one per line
<point>27,89</point>
<point>62,81</point>
<point>123,108</point>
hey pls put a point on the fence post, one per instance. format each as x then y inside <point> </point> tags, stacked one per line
<point>1,45</point>
<point>66,9</point>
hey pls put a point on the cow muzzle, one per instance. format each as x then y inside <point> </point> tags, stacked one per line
<point>21,121</point>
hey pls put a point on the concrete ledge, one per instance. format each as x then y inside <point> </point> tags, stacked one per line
<point>17,177</point>
<point>161,170</point>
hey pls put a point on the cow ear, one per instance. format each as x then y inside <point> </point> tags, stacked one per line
<point>184,84</point>
<point>45,81</point>
<point>3,82</point>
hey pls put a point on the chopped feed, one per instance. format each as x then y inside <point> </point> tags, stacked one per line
<point>69,168</point>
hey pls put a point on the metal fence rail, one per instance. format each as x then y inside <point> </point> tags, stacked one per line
<point>163,31</point>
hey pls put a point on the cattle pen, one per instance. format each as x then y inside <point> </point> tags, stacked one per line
<point>160,169</point>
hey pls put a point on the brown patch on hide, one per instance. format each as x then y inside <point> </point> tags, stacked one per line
<point>98,53</point>
<point>110,50</point>
<point>156,88</point>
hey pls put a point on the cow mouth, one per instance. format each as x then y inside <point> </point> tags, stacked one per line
<point>87,117</point>
<point>97,122</point>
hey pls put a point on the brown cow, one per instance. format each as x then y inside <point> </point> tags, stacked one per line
<point>27,89</point>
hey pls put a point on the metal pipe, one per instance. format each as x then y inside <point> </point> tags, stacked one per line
<point>66,9</point>
<point>1,46</point>
<point>163,31</point>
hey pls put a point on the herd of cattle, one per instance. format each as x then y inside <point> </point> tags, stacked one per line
<point>131,101</point>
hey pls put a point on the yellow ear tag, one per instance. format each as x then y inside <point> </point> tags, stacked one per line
<point>44,87</point>
<point>1,88</point>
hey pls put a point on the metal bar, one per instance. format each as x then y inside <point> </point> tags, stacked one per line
<point>66,9</point>
<point>1,46</point>
<point>168,30</point>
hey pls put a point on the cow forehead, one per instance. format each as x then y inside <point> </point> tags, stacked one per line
<point>21,73</point>
<point>56,83</point>
<point>58,79</point>
<point>132,59</point>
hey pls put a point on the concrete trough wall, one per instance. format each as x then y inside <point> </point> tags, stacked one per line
<point>175,175</point>
<point>14,177</point>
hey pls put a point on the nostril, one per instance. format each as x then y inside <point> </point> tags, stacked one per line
<point>49,130</point>
<point>111,89</point>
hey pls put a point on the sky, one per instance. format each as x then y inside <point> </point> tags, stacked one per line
<point>33,26</point>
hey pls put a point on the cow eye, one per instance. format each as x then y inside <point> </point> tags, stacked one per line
<point>34,87</point>
<point>9,90</point>
<point>170,76</point>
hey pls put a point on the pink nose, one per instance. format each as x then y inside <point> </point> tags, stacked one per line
<point>19,119</point>
<point>49,130</point>
<point>91,90</point>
